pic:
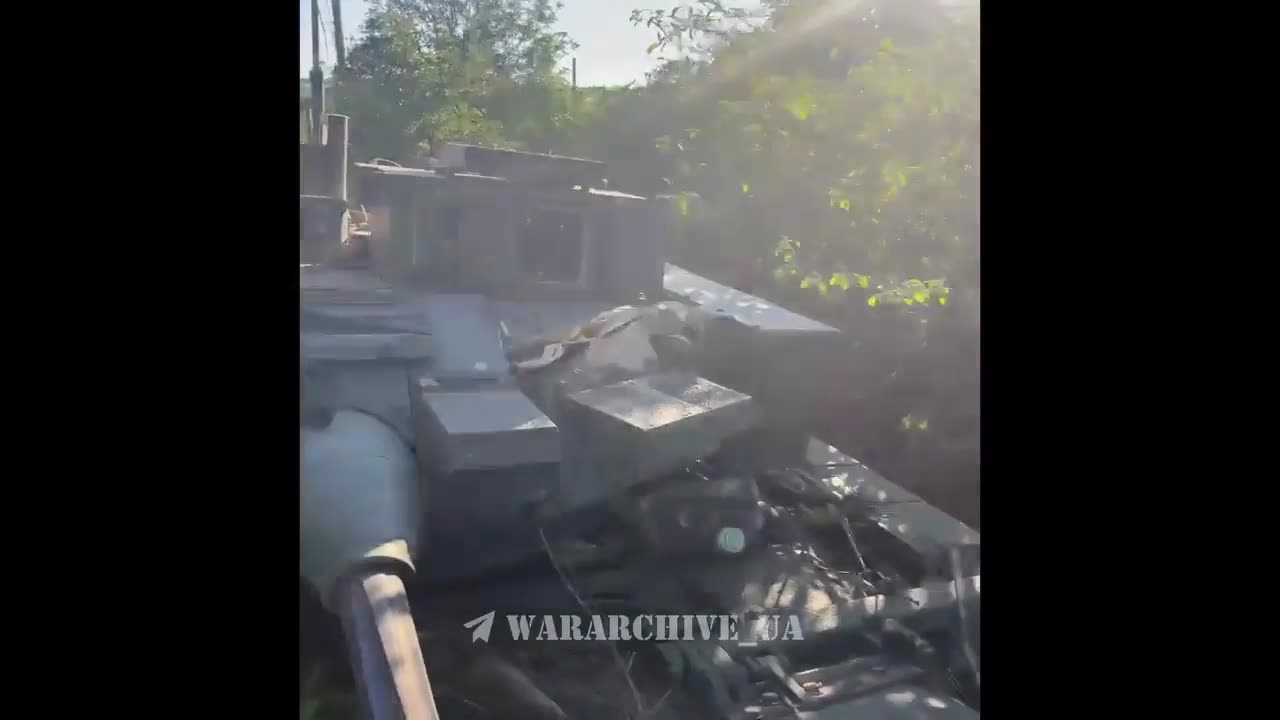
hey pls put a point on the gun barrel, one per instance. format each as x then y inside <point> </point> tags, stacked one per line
<point>383,644</point>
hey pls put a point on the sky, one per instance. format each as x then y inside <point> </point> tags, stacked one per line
<point>611,50</point>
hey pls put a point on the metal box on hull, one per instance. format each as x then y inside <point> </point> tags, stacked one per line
<point>481,429</point>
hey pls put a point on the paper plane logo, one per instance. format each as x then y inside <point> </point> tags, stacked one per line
<point>482,625</point>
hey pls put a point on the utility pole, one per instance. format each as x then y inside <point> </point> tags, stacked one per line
<point>317,78</point>
<point>338,41</point>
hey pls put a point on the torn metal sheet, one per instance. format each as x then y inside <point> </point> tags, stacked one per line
<point>934,536</point>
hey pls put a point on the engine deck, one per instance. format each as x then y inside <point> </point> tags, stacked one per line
<point>887,632</point>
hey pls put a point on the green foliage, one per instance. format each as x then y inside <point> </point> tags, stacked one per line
<point>912,292</point>
<point>481,71</point>
<point>866,149</point>
<point>837,147</point>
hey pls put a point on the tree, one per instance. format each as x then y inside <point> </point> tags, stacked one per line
<point>432,70</point>
<point>835,148</point>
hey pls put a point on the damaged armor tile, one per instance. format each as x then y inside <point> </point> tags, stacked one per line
<point>933,535</point>
<point>846,476</point>
<point>786,361</point>
<point>654,424</point>
<point>481,429</point>
<point>930,533</point>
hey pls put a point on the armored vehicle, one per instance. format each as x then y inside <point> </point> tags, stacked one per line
<point>520,424</point>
